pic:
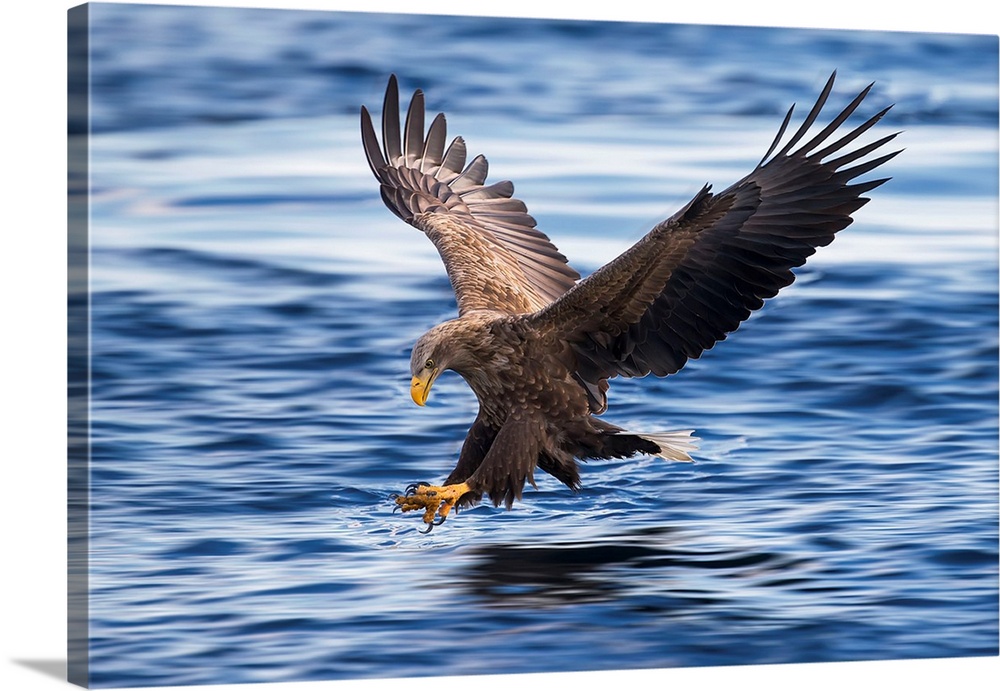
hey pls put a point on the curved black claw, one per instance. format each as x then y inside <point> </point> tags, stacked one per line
<point>412,488</point>
<point>430,526</point>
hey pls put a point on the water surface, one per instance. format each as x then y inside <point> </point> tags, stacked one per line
<point>254,304</point>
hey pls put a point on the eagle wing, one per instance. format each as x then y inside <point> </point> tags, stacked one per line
<point>495,257</point>
<point>699,274</point>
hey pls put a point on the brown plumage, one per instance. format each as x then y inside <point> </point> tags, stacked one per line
<point>538,347</point>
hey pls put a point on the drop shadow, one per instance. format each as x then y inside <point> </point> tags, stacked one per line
<point>55,668</point>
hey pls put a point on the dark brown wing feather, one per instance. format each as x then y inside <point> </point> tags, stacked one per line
<point>698,275</point>
<point>510,461</point>
<point>494,255</point>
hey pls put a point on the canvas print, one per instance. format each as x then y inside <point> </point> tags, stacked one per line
<point>621,361</point>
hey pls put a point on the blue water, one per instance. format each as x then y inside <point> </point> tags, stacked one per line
<point>254,304</point>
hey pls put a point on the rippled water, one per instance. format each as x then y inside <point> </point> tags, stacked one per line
<point>254,305</point>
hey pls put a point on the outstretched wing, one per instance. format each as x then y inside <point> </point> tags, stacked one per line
<point>493,254</point>
<point>698,275</point>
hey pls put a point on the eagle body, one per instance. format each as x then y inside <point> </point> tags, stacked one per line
<point>525,385</point>
<point>538,345</point>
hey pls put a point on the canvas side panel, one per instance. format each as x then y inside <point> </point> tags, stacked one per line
<point>78,344</point>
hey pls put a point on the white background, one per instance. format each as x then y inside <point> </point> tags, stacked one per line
<point>33,336</point>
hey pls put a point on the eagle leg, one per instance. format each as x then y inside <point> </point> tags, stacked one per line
<point>436,502</point>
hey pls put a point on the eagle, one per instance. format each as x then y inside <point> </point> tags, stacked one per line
<point>538,345</point>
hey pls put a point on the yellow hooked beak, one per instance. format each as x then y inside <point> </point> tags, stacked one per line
<point>420,386</point>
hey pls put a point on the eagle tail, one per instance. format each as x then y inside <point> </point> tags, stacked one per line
<point>673,446</point>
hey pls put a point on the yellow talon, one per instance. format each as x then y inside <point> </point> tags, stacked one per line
<point>435,501</point>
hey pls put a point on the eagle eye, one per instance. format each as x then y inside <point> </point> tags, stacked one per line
<point>429,364</point>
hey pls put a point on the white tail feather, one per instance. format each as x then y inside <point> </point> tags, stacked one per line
<point>674,446</point>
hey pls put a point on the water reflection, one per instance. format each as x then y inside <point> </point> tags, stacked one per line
<point>513,575</point>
